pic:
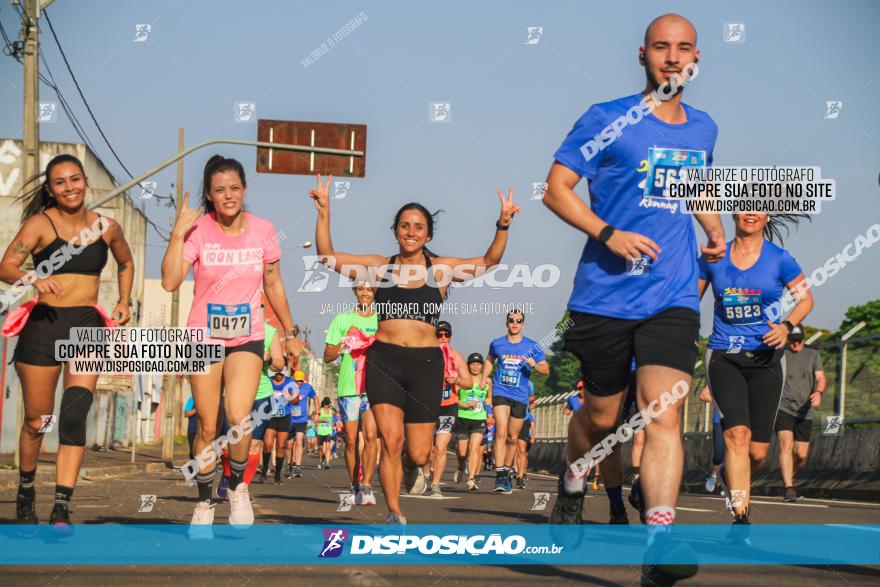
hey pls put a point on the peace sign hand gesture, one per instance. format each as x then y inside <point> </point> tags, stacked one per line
<point>186,217</point>
<point>321,195</point>
<point>508,208</point>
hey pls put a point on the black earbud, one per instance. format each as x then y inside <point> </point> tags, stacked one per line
<point>642,58</point>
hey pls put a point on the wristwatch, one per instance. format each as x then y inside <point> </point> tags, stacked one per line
<point>788,325</point>
<point>500,226</point>
<point>606,233</point>
<point>292,333</point>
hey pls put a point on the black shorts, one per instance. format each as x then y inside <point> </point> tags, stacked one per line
<point>446,419</point>
<point>45,325</point>
<point>525,432</point>
<point>606,346</point>
<point>746,388</point>
<point>409,378</point>
<point>464,428</point>
<point>297,427</point>
<point>252,346</point>
<point>800,426</point>
<point>324,439</point>
<point>279,423</point>
<point>517,409</point>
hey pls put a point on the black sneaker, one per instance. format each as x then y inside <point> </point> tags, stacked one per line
<point>636,499</point>
<point>568,508</point>
<point>790,495</point>
<point>24,511</point>
<point>657,574</point>
<point>520,483</point>
<point>297,472</point>
<point>618,516</point>
<point>59,520</point>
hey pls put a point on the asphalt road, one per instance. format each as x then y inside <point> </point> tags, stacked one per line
<point>314,499</point>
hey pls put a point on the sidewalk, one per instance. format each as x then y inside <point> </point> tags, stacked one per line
<point>96,464</point>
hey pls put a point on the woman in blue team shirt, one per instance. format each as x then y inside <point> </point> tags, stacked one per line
<point>744,359</point>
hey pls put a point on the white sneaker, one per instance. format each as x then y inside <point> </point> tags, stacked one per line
<point>711,480</point>
<point>201,525</point>
<point>414,480</point>
<point>241,513</point>
<point>395,519</point>
<point>367,497</point>
<point>456,477</point>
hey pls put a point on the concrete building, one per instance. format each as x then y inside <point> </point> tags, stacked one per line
<point>108,421</point>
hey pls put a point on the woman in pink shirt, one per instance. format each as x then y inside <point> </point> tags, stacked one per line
<point>235,258</point>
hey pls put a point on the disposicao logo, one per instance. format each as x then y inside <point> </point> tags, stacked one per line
<point>334,542</point>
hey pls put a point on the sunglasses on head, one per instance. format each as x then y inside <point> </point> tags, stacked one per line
<point>515,320</point>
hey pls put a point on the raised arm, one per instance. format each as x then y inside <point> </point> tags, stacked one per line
<point>124,273</point>
<point>174,268</point>
<point>354,267</point>
<point>465,269</point>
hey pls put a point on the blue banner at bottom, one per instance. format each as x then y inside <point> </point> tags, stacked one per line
<point>508,544</point>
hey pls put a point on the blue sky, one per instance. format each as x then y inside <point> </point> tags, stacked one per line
<point>511,106</point>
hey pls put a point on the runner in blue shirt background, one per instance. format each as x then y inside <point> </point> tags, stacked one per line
<point>517,356</point>
<point>299,421</point>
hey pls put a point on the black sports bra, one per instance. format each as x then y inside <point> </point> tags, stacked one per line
<point>89,261</point>
<point>408,303</point>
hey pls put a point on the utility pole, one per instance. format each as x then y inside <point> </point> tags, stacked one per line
<point>31,127</point>
<point>172,383</point>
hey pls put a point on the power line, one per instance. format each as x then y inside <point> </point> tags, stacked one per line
<point>81,95</point>
<point>92,115</point>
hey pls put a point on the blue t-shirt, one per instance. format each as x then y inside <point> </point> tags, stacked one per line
<point>627,182</point>
<point>192,426</point>
<point>741,297</point>
<point>575,402</point>
<point>489,434</point>
<point>299,413</point>
<point>511,379</point>
<point>280,404</point>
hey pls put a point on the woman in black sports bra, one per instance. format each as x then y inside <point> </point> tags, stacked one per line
<point>70,246</point>
<point>404,367</point>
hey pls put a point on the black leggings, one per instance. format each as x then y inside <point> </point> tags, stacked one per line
<point>718,447</point>
<point>746,387</point>
<point>409,378</point>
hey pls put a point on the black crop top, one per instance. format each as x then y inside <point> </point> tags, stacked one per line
<point>89,261</point>
<point>408,303</point>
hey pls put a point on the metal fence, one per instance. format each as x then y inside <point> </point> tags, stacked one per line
<point>861,406</point>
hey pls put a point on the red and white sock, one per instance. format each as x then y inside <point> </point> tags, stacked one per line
<point>659,520</point>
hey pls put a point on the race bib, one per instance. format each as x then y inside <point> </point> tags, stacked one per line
<point>296,410</point>
<point>229,321</point>
<point>665,168</point>
<point>278,404</point>
<point>510,372</point>
<point>447,392</point>
<point>742,309</point>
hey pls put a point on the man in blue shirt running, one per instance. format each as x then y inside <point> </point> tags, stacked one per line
<point>635,288</point>
<point>516,357</point>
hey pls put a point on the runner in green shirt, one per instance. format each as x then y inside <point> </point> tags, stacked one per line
<point>470,425</point>
<point>325,431</point>
<point>354,409</point>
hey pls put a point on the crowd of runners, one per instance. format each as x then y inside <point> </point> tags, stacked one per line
<point>406,398</point>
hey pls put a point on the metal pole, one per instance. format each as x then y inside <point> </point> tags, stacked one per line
<point>842,399</point>
<point>171,383</point>
<point>185,152</point>
<point>31,139</point>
